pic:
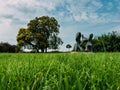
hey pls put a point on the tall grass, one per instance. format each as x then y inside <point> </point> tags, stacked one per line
<point>64,71</point>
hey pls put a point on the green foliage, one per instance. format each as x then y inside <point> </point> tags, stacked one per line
<point>68,46</point>
<point>107,42</point>
<point>54,42</point>
<point>63,71</point>
<point>40,32</point>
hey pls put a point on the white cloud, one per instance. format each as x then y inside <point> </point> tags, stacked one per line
<point>82,16</point>
<point>110,5</point>
<point>38,4</point>
<point>97,4</point>
<point>27,9</point>
<point>79,10</point>
<point>7,31</point>
<point>4,25</point>
<point>82,10</point>
<point>116,21</point>
<point>115,28</point>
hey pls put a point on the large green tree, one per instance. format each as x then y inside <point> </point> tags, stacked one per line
<point>40,33</point>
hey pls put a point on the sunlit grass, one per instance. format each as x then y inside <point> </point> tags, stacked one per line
<point>60,71</point>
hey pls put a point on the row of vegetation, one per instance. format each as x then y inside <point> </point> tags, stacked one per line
<point>105,43</point>
<point>42,34</point>
<point>6,47</point>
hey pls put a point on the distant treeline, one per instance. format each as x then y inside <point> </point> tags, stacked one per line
<point>107,42</point>
<point>6,47</point>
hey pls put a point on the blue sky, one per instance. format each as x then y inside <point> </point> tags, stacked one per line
<point>85,16</point>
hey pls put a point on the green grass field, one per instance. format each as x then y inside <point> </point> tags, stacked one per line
<point>60,71</point>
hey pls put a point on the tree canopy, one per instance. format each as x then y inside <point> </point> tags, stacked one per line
<point>41,33</point>
<point>107,42</point>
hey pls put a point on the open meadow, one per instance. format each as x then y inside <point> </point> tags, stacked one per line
<point>60,71</point>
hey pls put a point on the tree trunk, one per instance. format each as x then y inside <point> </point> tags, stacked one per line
<point>42,50</point>
<point>37,50</point>
<point>45,49</point>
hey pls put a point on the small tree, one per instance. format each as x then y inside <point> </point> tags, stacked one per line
<point>68,46</point>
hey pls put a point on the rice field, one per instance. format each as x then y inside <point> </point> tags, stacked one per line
<point>60,71</point>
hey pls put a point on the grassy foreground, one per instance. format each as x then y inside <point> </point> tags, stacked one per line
<point>60,71</point>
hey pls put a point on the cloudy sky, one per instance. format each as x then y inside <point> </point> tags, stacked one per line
<point>85,16</point>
